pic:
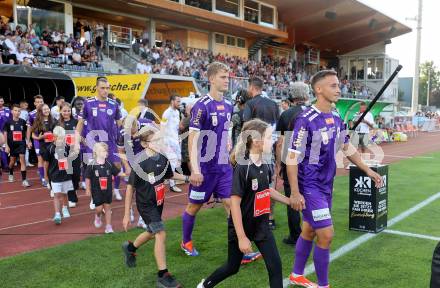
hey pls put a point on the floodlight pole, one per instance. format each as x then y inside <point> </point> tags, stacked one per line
<point>429,87</point>
<point>415,94</point>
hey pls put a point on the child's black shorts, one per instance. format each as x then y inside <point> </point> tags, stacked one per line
<point>17,149</point>
<point>101,197</point>
<point>152,216</point>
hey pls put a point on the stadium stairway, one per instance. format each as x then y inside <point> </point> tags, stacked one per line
<point>258,45</point>
<point>113,66</point>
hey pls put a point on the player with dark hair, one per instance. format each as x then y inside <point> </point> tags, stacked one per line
<point>103,118</point>
<point>311,167</point>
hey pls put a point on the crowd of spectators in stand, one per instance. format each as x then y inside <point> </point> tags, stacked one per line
<point>278,73</point>
<point>172,59</point>
<point>354,90</point>
<point>82,51</point>
<point>45,48</point>
<point>428,114</point>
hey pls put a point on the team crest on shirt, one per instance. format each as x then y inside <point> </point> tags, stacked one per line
<point>214,120</point>
<point>12,127</point>
<point>109,112</point>
<point>254,184</point>
<point>95,112</point>
<point>329,121</point>
<point>96,173</point>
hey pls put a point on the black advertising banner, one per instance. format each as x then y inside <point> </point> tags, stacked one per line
<point>368,204</point>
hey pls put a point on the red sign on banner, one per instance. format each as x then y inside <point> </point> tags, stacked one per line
<point>103,181</point>
<point>63,164</point>
<point>70,139</point>
<point>17,136</point>
<point>262,203</point>
<point>160,193</point>
<point>48,137</point>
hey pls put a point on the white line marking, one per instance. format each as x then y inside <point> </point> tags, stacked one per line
<point>24,190</point>
<point>408,157</point>
<point>364,238</point>
<point>33,203</point>
<point>82,213</point>
<point>421,236</point>
<point>16,175</point>
<point>48,201</point>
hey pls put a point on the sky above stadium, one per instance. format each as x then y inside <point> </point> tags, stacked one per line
<point>403,48</point>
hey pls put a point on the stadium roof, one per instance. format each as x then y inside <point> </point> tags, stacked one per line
<point>337,26</point>
<point>333,26</point>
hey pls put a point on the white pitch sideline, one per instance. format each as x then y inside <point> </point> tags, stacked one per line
<point>414,235</point>
<point>364,238</point>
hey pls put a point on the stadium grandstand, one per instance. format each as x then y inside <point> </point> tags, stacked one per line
<point>280,41</point>
<point>126,119</point>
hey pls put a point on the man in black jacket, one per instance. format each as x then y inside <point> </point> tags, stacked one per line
<point>264,109</point>
<point>298,96</point>
<point>258,106</point>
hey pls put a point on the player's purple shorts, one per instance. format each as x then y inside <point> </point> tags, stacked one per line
<point>36,147</point>
<point>219,184</point>
<point>318,208</point>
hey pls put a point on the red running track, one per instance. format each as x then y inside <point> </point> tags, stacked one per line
<point>29,211</point>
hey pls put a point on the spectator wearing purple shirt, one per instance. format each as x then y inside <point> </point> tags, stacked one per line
<point>38,102</point>
<point>103,118</point>
<point>211,172</point>
<point>311,166</point>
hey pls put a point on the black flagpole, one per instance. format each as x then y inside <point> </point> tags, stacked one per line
<point>377,96</point>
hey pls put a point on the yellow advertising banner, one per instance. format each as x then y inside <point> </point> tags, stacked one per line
<point>128,88</point>
<point>159,93</point>
<point>165,88</point>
